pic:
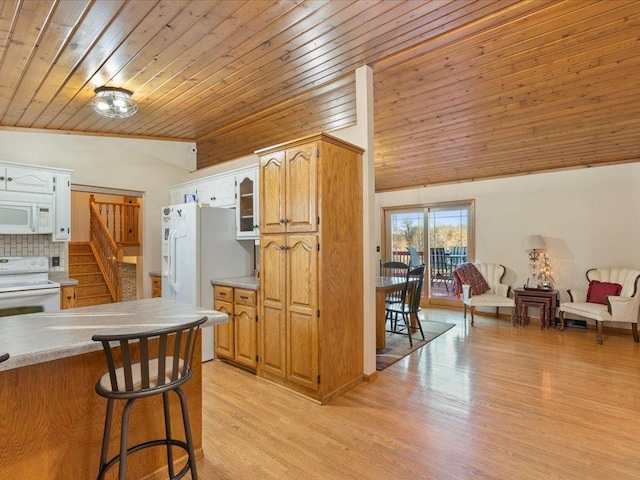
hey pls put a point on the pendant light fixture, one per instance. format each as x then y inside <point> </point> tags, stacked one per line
<point>114,102</point>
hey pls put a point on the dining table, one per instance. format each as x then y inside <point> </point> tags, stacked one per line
<point>385,286</point>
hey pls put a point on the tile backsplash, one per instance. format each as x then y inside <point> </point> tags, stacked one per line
<point>34,246</point>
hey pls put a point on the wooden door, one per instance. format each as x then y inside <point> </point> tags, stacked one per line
<point>272,193</point>
<point>246,335</point>
<point>224,332</point>
<point>301,188</point>
<point>273,292</point>
<point>302,310</point>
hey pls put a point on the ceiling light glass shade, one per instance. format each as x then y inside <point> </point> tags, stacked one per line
<point>114,102</point>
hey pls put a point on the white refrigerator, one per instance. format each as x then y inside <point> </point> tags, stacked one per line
<point>199,244</point>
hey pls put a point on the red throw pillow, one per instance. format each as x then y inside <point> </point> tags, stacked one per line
<point>598,291</point>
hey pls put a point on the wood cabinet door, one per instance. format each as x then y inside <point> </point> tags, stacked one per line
<point>302,311</point>
<point>272,191</point>
<point>224,332</point>
<point>273,305</point>
<point>67,297</point>
<point>246,335</point>
<point>301,188</point>
<point>156,286</point>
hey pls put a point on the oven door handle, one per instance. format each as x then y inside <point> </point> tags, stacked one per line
<point>29,293</point>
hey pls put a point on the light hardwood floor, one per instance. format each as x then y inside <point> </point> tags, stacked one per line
<point>491,402</point>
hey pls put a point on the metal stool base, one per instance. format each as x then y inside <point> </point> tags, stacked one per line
<point>121,458</point>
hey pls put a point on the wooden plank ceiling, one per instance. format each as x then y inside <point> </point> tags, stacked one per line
<point>464,89</point>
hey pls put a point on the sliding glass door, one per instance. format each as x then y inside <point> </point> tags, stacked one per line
<point>443,237</point>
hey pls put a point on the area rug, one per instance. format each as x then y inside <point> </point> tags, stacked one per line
<point>397,345</point>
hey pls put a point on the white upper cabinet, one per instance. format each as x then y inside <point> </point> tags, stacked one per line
<point>247,204</point>
<point>62,227</point>
<point>175,194</point>
<point>224,189</point>
<point>54,182</point>
<point>216,191</point>
<point>17,179</point>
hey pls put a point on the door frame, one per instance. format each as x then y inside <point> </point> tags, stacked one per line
<point>471,241</point>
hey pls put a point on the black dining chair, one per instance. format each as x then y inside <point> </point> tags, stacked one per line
<point>393,269</point>
<point>410,305</point>
<point>440,268</point>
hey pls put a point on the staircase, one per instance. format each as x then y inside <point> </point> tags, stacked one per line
<point>92,289</point>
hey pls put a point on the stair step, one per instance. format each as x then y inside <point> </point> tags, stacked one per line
<point>79,247</point>
<point>93,300</point>
<point>89,290</point>
<point>81,258</point>
<point>83,268</point>
<point>87,278</point>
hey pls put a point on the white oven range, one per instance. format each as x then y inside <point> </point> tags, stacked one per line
<point>24,282</point>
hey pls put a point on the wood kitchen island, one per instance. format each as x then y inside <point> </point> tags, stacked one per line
<point>51,419</point>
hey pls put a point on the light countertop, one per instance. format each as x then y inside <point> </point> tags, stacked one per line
<point>41,337</point>
<point>63,279</point>
<point>249,282</point>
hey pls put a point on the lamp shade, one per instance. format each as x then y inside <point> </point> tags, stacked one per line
<point>535,242</point>
<point>114,102</point>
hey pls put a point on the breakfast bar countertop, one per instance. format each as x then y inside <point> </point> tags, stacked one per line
<point>42,337</point>
<point>249,282</point>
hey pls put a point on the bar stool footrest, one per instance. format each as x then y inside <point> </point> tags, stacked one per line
<point>149,444</point>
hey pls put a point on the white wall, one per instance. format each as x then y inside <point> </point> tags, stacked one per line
<point>588,218</point>
<point>150,166</point>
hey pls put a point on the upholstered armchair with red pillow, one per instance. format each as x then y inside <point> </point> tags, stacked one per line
<point>611,296</point>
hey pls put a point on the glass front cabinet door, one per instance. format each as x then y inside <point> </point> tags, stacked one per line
<point>247,204</point>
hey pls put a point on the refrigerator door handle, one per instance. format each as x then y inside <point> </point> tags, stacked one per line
<point>172,264</point>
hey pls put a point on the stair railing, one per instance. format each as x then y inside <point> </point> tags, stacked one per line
<point>121,220</point>
<point>108,254</point>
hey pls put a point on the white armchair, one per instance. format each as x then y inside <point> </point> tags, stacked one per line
<point>497,296</point>
<point>623,308</point>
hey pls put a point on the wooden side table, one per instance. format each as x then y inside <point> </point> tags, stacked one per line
<point>546,300</point>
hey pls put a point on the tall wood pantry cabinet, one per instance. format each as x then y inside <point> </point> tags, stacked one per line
<point>311,313</point>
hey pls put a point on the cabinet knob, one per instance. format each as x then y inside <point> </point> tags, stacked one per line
<point>1,178</point>
<point>9,179</point>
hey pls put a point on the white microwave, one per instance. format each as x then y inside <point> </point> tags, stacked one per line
<point>19,216</point>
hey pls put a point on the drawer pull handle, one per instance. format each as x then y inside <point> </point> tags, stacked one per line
<point>244,297</point>
<point>222,294</point>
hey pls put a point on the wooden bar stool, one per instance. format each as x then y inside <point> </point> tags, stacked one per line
<point>142,365</point>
